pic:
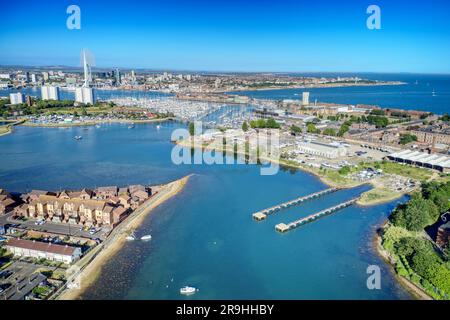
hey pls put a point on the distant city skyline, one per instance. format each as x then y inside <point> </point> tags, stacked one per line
<point>229,36</point>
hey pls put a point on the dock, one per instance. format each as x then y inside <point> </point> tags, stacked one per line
<point>283,227</point>
<point>262,215</point>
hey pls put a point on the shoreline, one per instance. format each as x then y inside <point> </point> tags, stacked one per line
<point>96,259</point>
<point>395,83</point>
<point>407,285</point>
<point>9,127</point>
<point>323,179</point>
<point>92,123</point>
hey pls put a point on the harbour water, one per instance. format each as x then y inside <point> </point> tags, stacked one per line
<point>205,237</point>
<point>99,94</point>
<point>415,94</point>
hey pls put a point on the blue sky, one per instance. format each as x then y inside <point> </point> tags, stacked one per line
<point>231,35</point>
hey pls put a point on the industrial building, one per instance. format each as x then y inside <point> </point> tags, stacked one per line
<point>438,162</point>
<point>324,150</point>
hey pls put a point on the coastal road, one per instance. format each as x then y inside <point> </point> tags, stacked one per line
<point>56,228</point>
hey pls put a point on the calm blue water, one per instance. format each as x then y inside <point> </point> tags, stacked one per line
<point>100,94</point>
<point>410,96</point>
<point>205,236</point>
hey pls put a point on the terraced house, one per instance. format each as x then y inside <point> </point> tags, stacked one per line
<point>86,212</point>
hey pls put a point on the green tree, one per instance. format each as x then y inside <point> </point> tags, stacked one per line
<point>344,170</point>
<point>329,132</point>
<point>245,126</point>
<point>191,129</point>
<point>343,130</point>
<point>295,129</point>
<point>272,124</point>
<point>311,128</point>
<point>407,138</point>
<point>416,214</point>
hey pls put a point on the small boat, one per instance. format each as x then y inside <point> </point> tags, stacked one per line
<point>97,126</point>
<point>433,93</point>
<point>78,137</point>
<point>146,237</point>
<point>188,290</point>
<point>158,127</point>
<point>131,127</point>
<point>130,238</point>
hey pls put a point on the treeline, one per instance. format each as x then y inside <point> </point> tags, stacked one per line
<point>37,106</point>
<point>417,258</point>
<point>264,124</point>
<point>424,208</point>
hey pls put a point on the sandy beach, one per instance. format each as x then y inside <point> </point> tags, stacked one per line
<point>91,264</point>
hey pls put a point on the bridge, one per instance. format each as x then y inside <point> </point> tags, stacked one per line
<point>283,227</point>
<point>261,215</point>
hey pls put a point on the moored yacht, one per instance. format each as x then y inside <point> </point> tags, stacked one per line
<point>186,290</point>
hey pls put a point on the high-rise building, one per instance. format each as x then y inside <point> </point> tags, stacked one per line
<point>84,95</point>
<point>27,77</point>
<point>33,78</point>
<point>305,98</point>
<point>49,93</point>
<point>28,101</point>
<point>45,76</point>
<point>118,77</point>
<point>16,98</point>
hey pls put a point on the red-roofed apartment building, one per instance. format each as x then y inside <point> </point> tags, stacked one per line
<point>39,250</point>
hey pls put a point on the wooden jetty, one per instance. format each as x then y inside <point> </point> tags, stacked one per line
<point>283,227</point>
<point>261,215</point>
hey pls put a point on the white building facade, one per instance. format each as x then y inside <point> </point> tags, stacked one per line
<point>84,95</point>
<point>42,250</point>
<point>49,93</point>
<point>16,98</point>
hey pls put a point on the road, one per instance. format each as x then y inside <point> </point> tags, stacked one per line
<point>51,227</point>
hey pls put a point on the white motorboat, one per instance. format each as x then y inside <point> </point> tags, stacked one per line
<point>78,137</point>
<point>158,127</point>
<point>130,238</point>
<point>146,237</point>
<point>188,290</point>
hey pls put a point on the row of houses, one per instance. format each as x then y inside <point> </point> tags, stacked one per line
<point>105,206</point>
<point>43,250</point>
<point>7,203</point>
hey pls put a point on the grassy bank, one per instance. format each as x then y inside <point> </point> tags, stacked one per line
<point>411,251</point>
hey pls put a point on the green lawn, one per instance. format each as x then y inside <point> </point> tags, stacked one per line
<point>406,171</point>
